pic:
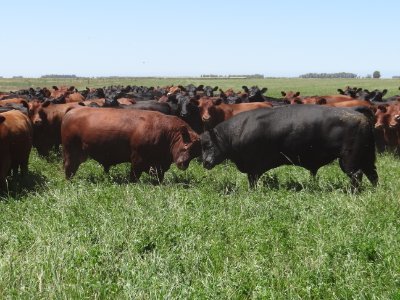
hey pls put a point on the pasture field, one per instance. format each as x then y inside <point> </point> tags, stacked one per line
<point>201,234</point>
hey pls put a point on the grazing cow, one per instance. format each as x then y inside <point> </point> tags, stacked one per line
<point>15,144</point>
<point>306,136</point>
<point>213,111</point>
<point>46,118</point>
<point>149,140</point>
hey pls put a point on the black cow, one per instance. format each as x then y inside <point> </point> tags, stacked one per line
<point>306,136</point>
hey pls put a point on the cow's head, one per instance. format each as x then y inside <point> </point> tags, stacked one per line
<point>254,93</point>
<point>210,149</point>
<point>377,95</point>
<point>350,91</point>
<point>291,97</point>
<point>186,148</point>
<point>381,117</point>
<point>209,91</point>
<point>208,109</point>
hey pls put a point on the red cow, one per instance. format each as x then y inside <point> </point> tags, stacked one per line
<point>387,127</point>
<point>15,144</point>
<point>295,98</point>
<point>213,111</point>
<point>147,139</point>
<point>46,118</point>
<point>351,103</point>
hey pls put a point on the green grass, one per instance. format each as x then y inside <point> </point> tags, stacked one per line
<point>201,234</point>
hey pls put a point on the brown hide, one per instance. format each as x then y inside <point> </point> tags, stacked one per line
<point>15,143</point>
<point>351,103</point>
<point>149,140</point>
<point>387,128</point>
<point>46,118</point>
<point>213,111</point>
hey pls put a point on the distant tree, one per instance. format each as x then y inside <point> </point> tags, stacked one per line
<point>376,74</point>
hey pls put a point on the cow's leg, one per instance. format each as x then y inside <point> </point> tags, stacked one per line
<point>347,166</point>
<point>72,160</point>
<point>137,167</point>
<point>135,173</point>
<point>253,178</point>
<point>371,174</point>
<point>106,169</point>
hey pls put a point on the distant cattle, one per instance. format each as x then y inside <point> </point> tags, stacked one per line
<point>15,144</point>
<point>307,136</point>
<point>150,141</point>
<point>213,111</point>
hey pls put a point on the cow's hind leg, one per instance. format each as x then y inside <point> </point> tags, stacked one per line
<point>73,157</point>
<point>371,174</point>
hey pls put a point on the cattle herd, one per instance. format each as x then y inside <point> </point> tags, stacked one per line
<point>154,127</point>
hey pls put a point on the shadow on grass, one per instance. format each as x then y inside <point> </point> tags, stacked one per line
<point>19,186</point>
<point>316,185</point>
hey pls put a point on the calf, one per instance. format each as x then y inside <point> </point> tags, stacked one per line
<point>310,137</point>
<point>148,140</point>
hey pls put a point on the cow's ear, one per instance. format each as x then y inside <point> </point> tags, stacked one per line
<point>384,92</point>
<point>194,101</point>
<point>182,88</point>
<point>264,90</point>
<point>55,88</point>
<point>245,88</point>
<point>217,101</point>
<point>200,87</point>
<point>216,88</point>
<point>71,88</point>
<point>185,135</point>
<point>222,94</point>
<point>341,92</point>
<point>297,94</point>
<point>358,90</point>
<point>46,103</point>
<point>283,93</point>
<point>2,119</point>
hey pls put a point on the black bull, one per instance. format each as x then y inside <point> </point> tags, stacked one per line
<point>306,136</point>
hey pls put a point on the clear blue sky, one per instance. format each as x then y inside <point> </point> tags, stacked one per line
<point>180,38</point>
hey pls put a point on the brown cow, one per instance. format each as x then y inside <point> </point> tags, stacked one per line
<point>213,111</point>
<point>46,118</point>
<point>149,140</point>
<point>15,144</point>
<point>387,128</point>
<point>351,103</point>
<point>295,98</point>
